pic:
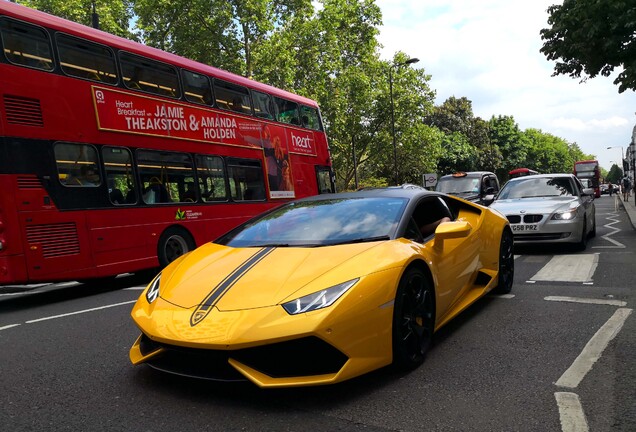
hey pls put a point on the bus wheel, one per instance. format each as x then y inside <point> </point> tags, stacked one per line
<point>173,243</point>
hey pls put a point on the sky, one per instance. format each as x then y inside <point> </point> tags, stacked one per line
<point>488,52</point>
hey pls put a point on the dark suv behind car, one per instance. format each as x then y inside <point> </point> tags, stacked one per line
<point>476,186</point>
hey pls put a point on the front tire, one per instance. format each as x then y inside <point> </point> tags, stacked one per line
<point>413,319</point>
<point>506,263</point>
<point>173,243</point>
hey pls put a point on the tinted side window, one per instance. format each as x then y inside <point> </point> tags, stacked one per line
<point>197,87</point>
<point>26,45</point>
<point>85,59</point>
<point>140,73</point>
<point>119,175</point>
<point>286,111</point>
<point>263,105</point>
<point>77,165</point>
<point>246,179</point>
<point>232,97</point>
<point>165,176</point>
<point>211,173</point>
<point>309,118</point>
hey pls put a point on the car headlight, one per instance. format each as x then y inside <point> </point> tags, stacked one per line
<point>153,289</point>
<point>318,300</point>
<point>565,215</point>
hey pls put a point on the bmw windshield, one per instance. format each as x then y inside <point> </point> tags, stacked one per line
<point>537,187</point>
<point>321,223</point>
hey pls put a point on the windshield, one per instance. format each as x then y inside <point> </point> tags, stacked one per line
<point>321,223</point>
<point>537,187</point>
<point>456,185</point>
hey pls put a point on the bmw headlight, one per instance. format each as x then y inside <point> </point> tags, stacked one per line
<point>565,215</point>
<point>153,289</point>
<point>318,300</point>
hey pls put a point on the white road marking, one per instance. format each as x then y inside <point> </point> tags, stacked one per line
<point>617,244</point>
<point>571,412</point>
<point>505,296</point>
<point>136,288</point>
<point>9,326</point>
<point>586,300</point>
<point>80,312</point>
<point>531,281</point>
<point>572,377</point>
<point>568,268</point>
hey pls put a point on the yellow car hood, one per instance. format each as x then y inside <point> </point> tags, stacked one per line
<point>248,278</point>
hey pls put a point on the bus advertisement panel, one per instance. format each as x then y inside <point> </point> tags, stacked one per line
<point>118,157</point>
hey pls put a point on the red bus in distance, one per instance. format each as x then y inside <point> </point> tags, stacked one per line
<point>589,170</point>
<point>520,172</point>
<point>118,157</point>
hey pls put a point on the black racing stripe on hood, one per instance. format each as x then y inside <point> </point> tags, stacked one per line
<point>224,286</point>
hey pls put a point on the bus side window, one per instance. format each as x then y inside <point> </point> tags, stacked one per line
<point>286,111</point>
<point>140,73</point>
<point>86,59</point>
<point>196,87</point>
<point>263,105</point>
<point>211,174</point>
<point>164,175</point>
<point>246,179</point>
<point>119,175</point>
<point>232,97</point>
<point>26,45</point>
<point>77,164</point>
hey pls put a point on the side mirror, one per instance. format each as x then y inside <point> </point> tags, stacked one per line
<point>450,230</point>
<point>588,191</point>
<point>488,199</point>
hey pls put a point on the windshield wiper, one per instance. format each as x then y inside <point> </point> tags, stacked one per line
<point>359,240</point>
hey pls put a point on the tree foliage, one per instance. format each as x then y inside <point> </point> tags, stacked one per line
<point>593,37</point>
<point>114,16</point>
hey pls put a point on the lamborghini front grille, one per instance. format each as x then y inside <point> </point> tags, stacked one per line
<point>301,357</point>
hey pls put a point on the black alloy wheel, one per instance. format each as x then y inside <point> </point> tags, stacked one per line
<point>506,263</point>
<point>413,319</point>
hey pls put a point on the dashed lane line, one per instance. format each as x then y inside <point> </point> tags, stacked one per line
<point>80,312</point>
<point>571,412</point>
<point>572,377</point>
<point>9,326</point>
<point>618,303</point>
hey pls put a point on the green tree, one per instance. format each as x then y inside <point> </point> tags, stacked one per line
<point>593,37</point>
<point>615,174</point>
<point>511,142</point>
<point>114,16</point>
<point>547,153</point>
<point>222,33</point>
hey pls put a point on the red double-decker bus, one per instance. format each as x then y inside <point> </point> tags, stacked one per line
<point>589,170</point>
<point>116,157</point>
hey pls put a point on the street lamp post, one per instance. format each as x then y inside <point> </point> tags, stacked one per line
<point>622,156</point>
<point>395,65</point>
